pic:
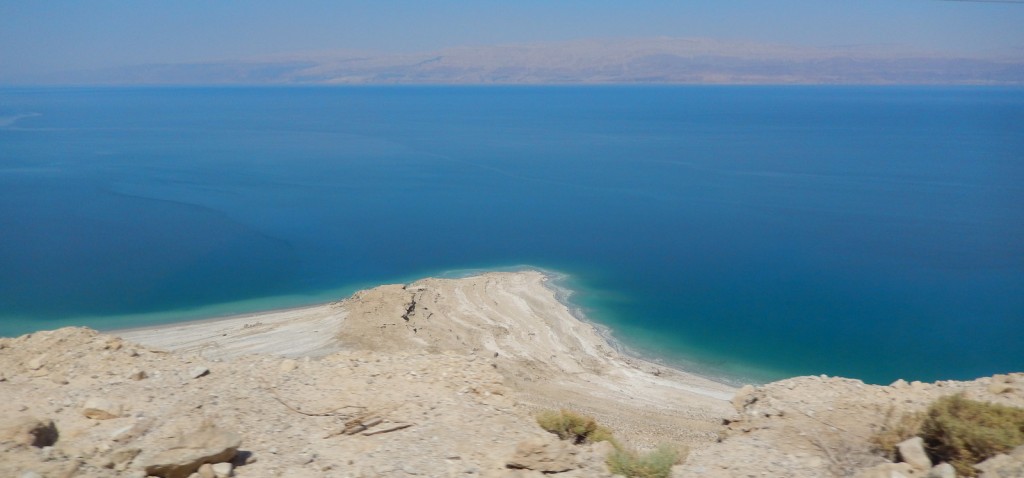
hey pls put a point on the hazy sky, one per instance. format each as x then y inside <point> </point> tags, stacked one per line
<point>44,36</point>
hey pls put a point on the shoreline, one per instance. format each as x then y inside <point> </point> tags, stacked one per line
<point>521,320</point>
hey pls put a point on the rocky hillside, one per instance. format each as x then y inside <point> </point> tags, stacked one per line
<point>441,378</point>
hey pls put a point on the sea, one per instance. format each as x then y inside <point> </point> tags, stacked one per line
<point>748,233</point>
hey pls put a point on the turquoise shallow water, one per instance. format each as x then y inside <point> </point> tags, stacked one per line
<point>752,232</point>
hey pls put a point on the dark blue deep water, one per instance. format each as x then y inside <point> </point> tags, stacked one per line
<point>750,232</point>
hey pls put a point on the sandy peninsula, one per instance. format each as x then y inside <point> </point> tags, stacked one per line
<point>513,320</point>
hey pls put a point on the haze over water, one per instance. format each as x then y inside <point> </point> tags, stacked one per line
<point>754,232</point>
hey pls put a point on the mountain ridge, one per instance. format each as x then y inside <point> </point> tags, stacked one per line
<point>659,60</point>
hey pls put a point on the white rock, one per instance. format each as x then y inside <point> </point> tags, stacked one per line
<point>196,372</point>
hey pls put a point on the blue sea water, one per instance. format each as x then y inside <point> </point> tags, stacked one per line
<point>745,232</point>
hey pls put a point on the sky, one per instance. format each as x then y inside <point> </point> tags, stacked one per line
<point>53,36</point>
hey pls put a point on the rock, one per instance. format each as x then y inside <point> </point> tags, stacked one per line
<point>223,470</point>
<point>37,363</point>
<point>942,470</point>
<point>912,453</point>
<point>196,372</point>
<point>287,365</point>
<point>206,471</point>
<point>101,409</point>
<point>602,449</point>
<point>138,375</point>
<point>545,456</point>
<point>30,474</point>
<point>744,396</point>
<point>133,431</point>
<point>29,431</point>
<point>1003,465</point>
<point>889,470</point>
<point>209,444</point>
<point>999,388</point>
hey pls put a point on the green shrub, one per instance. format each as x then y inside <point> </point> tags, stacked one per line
<point>569,425</point>
<point>653,464</point>
<point>965,432</point>
<point>894,430</point>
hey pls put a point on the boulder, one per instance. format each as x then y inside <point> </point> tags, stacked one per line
<point>209,444</point>
<point>29,431</point>
<point>545,455</point>
<point>912,453</point>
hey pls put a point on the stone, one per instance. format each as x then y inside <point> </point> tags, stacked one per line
<point>223,470</point>
<point>206,471</point>
<point>37,363</point>
<point>138,375</point>
<point>942,470</point>
<point>912,453</point>
<point>101,409</point>
<point>889,470</point>
<point>209,444</point>
<point>135,430</point>
<point>196,372</point>
<point>999,388</point>
<point>29,431</point>
<point>545,456</point>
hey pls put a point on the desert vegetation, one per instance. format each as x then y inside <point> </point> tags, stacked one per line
<point>956,430</point>
<point>583,429</point>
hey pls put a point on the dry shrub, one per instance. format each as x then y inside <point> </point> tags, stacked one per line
<point>569,425</point>
<point>965,432</point>
<point>580,429</point>
<point>654,464</point>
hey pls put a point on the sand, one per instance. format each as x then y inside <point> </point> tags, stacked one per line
<point>549,357</point>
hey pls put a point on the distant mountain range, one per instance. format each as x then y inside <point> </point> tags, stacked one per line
<point>657,60</point>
